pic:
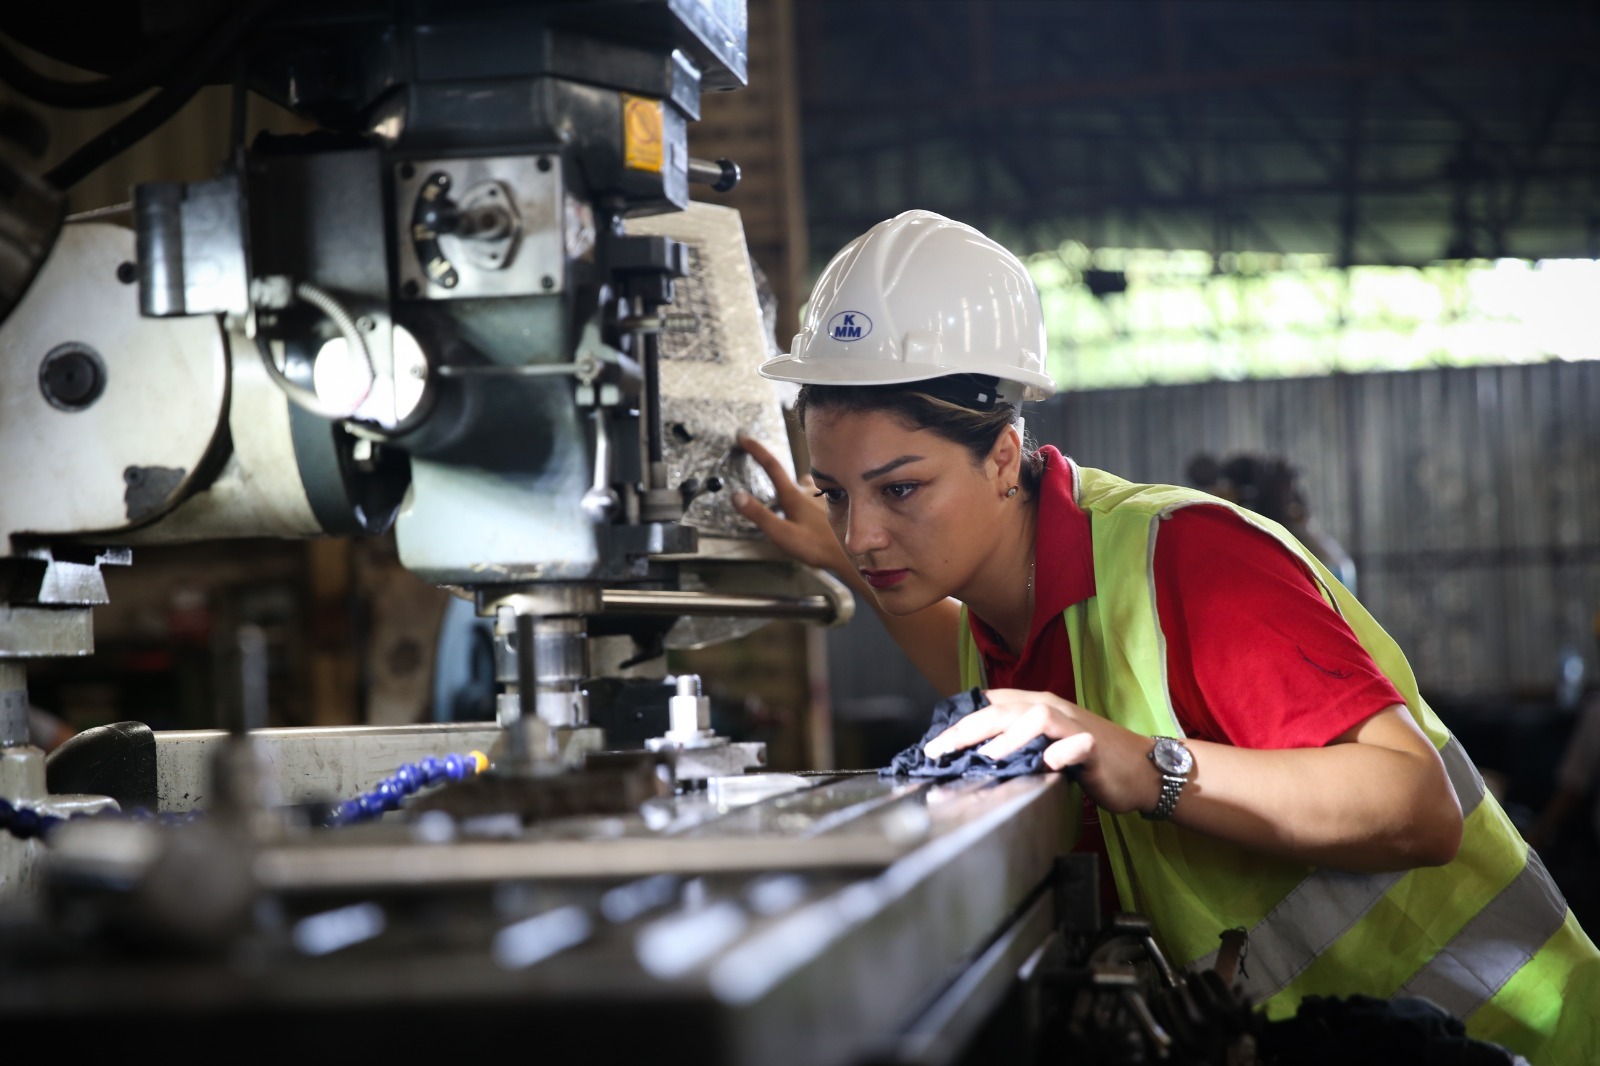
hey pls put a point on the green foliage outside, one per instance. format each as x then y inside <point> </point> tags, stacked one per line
<point>1173,316</point>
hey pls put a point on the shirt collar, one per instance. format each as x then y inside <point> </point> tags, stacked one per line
<point>1063,567</point>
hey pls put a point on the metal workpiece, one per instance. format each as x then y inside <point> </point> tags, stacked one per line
<point>697,752</point>
<point>851,805</point>
<point>688,711</point>
<point>307,765</point>
<point>717,759</point>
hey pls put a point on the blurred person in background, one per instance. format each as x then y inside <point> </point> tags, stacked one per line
<point>1572,846</point>
<point>1273,488</point>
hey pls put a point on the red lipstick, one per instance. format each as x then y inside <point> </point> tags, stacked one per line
<point>884,579</point>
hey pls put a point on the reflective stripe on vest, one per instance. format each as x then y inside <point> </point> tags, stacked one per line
<point>1488,952</point>
<point>1466,971</point>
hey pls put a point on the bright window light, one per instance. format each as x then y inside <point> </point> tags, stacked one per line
<point>1131,316</point>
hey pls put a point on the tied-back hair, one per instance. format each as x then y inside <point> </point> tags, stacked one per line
<point>975,421</point>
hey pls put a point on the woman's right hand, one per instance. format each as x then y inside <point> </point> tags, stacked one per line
<point>928,636</point>
<point>802,529</point>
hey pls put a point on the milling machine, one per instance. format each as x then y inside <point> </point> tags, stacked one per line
<point>447,310</point>
<point>476,304</point>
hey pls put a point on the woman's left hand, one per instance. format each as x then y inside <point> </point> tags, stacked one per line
<point>1383,800</point>
<point>1112,764</point>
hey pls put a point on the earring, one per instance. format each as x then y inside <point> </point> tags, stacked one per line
<point>1011,492</point>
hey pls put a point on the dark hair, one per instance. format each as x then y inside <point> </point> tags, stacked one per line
<point>916,406</point>
<point>1266,485</point>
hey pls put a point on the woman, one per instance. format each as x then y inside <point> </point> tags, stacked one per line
<point>1253,740</point>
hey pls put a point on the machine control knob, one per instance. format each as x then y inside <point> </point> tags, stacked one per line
<point>721,174</point>
<point>72,376</point>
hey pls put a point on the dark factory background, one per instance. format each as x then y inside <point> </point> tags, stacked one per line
<point>1353,241</point>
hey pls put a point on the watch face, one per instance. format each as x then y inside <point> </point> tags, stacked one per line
<point>1172,757</point>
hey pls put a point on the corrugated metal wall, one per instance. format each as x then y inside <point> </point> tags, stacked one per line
<point>1469,497</point>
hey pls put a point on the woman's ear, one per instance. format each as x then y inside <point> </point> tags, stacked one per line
<point>1005,457</point>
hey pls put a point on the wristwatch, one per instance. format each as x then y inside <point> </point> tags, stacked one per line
<point>1174,761</point>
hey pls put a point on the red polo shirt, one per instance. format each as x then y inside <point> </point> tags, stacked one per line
<point>1255,657</point>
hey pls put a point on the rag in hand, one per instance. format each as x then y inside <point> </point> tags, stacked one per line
<point>1028,759</point>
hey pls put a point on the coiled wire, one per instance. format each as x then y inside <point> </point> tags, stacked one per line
<point>298,394</point>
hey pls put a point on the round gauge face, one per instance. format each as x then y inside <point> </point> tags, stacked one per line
<point>1172,757</point>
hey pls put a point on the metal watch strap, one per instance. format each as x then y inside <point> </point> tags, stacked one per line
<point>1171,786</point>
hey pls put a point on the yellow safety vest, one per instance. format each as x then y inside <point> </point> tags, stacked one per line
<point>1488,936</point>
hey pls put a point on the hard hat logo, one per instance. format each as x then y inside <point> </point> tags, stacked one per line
<point>849,326</point>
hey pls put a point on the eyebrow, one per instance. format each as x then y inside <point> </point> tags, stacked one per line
<point>875,472</point>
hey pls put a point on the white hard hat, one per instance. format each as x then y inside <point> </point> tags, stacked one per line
<point>918,297</point>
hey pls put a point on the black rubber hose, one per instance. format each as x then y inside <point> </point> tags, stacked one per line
<point>140,76</point>
<point>164,104</point>
<point>24,129</point>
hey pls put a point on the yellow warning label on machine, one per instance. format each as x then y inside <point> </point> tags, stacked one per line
<point>641,133</point>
